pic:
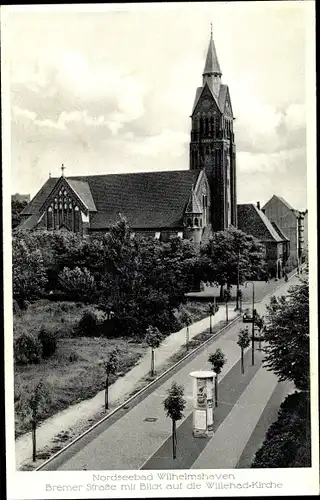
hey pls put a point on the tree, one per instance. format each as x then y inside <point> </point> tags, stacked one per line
<point>174,405</point>
<point>78,283</point>
<point>218,360</point>
<point>28,273</point>
<point>287,350</point>
<point>153,339</point>
<point>288,440</point>
<point>212,310</point>
<point>16,209</point>
<point>32,407</point>
<point>231,257</point>
<point>260,324</point>
<point>243,342</point>
<point>227,297</point>
<point>186,318</point>
<point>110,367</point>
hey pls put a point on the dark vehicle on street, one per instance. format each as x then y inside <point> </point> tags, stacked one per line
<point>247,316</point>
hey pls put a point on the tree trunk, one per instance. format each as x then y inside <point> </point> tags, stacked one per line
<point>210,324</point>
<point>187,338</point>
<point>174,439</point>
<point>152,362</point>
<point>216,390</point>
<point>106,394</point>
<point>34,443</point>
<point>227,316</point>
<point>221,292</point>
<point>242,366</point>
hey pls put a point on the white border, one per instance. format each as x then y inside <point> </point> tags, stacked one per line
<point>29,485</point>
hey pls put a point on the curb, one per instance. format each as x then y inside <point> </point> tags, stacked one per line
<point>141,391</point>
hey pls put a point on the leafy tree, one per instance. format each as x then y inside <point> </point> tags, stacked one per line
<point>78,283</point>
<point>28,273</point>
<point>174,405</point>
<point>227,298</point>
<point>31,407</point>
<point>110,367</point>
<point>287,350</point>
<point>16,209</point>
<point>212,309</point>
<point>231,257</point>
<point>260,324</point>
<point>218,360</point>
<point>153,339</point>
<point>287,442</point>
<point>186,319</point>
<point>243,342</point>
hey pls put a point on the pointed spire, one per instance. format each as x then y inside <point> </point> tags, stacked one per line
<point>62,170</point>
<point>212,64</point>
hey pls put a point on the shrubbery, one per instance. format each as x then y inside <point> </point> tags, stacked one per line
<point>48,342</point>
<point>27,349</point>
<point>287,442</point>
<point>90,324</point>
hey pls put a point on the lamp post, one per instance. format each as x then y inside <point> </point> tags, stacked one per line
<point>252,333</point>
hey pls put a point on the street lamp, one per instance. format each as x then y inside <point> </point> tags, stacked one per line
<point>252,334</point>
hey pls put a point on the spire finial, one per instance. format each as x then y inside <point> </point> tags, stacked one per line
<point>211,29</point>
<point>62,170</point>
<point>49,175</point>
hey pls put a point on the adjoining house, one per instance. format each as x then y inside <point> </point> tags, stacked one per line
<point>293,224</point>
<point>21,198</point>
<point>252,220</point>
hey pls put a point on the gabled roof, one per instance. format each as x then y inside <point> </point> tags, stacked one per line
<point>280,199</point>
<point>147,199</point>
<point>199,92</point>
<point>193,206</point>
<point>279,231</point>
<point>253,221</point>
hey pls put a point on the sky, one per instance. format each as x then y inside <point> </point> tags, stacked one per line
<point>111,91</point>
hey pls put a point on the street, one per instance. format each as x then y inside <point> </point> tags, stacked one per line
<point>139,437</point>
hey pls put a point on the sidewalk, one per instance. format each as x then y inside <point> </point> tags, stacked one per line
<point>76,416</point>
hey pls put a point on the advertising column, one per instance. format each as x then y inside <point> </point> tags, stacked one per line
<point>203,403</point>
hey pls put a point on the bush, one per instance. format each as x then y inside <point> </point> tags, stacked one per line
<point>48,342</point>
<point>78,283</point>
<point>90,323</point>
<point>73,356</point>
<point>27,349</point>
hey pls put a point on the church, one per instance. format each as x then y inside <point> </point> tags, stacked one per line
<point>189,203</point>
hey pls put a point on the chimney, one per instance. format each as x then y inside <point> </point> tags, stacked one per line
<point>258,205</point>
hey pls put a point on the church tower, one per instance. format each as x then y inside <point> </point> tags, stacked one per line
<point>212,145</point>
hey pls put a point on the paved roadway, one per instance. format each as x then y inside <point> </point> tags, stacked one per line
<point>247,404</point>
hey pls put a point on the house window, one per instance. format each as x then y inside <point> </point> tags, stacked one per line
<point>180,234</point>
<point>157,235</point>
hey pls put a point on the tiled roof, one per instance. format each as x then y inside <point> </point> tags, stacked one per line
<point>30,222</point>
<point>196,99</point>
<point>40,197</point>
<point>279,231</point>
<point>82,189</point>
<point>147,200</point>
<point>255,222</point>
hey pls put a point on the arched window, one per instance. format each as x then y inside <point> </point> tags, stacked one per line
<point>189,222</point>
<point>196,222</point>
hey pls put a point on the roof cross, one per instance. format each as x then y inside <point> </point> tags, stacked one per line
<point>62,169</point>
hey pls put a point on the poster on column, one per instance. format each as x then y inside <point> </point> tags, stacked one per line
<point>201,392</point>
